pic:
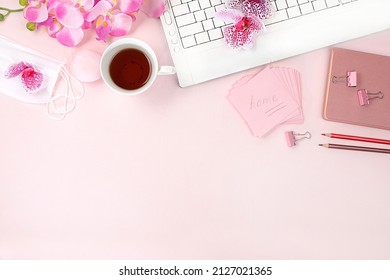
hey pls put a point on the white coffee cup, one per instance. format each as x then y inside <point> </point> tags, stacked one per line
<point>110,56</point>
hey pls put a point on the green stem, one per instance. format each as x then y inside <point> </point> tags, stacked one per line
<point>8,11</point>
<point>12,10</point>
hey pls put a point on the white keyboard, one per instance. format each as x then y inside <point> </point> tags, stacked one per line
<point>196,23</point>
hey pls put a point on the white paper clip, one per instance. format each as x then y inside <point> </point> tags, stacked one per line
<point>350,79</point>
<point>292,137</point>
<point>364,96</point>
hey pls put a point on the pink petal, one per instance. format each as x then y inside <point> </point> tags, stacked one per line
<point>229,15</point>
<point>69,16</point>
<point>36,14</point>
<point>86,25</point>
<point>153,8</point>
<point>113,2</point>
<point>130,6</point>
<point>100,8</point>
<point>261,8</point>
<point>52,6</point>
<point>87,4</point>
<point>103,30</point>
<point>121,25</point>
<point>16,69</point>
<point>70,37</point>
<point>53,26</point>
<point>238,38</point>
<point>31,79</point>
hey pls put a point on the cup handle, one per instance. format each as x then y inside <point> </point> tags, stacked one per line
<point>166,70</point>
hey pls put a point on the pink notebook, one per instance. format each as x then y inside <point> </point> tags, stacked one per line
<point>342,102</point>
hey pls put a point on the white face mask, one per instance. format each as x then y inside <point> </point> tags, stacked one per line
<point>31,77</point>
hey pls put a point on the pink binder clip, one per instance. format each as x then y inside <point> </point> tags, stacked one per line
<point>364,96</point>
<point>292,137</point>
<point>350,79</point>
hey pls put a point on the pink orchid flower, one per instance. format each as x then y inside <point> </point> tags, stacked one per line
<point>37,10</point>
<point>66,20</point>
<point>30,77</point>
<point>110,20</point>
<point>245,19</point>
<point>63,18</point>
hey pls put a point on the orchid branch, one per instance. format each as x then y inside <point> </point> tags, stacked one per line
<point>66,20</point>
<point>8,12</point>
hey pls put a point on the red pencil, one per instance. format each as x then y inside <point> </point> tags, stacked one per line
<point>357,138</point>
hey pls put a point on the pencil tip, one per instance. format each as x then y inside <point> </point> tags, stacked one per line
<point>323,134</point>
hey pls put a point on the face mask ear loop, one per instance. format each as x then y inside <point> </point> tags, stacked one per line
<point>57,114</point>
<point>51,115</point>
<point>80,85</point>
<point>70,94</point>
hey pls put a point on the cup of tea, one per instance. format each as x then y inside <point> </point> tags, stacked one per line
<point>129,66</point>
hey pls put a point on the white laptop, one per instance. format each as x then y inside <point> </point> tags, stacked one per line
<point>199,51</point>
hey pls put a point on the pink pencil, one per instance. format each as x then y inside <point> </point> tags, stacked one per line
<point>355,148</point>
<point>357,138</point>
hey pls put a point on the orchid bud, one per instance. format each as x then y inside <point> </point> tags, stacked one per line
<point>23,3</point>
<point>31,26</point>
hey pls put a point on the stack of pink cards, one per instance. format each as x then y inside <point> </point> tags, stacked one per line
<point>269,98</point>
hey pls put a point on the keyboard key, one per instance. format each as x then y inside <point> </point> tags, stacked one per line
<point>218,23</point>
<point>215,34</point>
<point>191,29</point>
<point>293,12</point>
<point>332,3</point>
<point>273,6</point>
<point>185,19</point>
<point>194,6</point>
<point>215,2</point>
<point>219,8</point>
<point>199,16</point>
<point>175,2</point>
<point>307,8</point>
<point>204,4</point>
<point>210,12</point>
<point>208,24</point>
<point>189,41</point>
<point>181,10</point>
<point>202,38</point>
<point>281,4</point>
<point>292,3</point>
<point>319,5</point>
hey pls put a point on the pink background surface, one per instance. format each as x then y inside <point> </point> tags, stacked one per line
<point>175,173</point>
